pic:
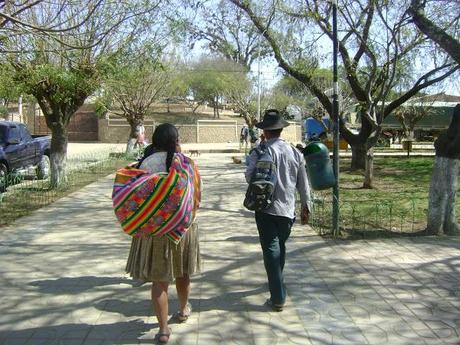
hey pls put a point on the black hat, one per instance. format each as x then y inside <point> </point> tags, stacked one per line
<point>272,120</point>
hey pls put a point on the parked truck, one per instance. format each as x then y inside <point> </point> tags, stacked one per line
<point>20,151</point>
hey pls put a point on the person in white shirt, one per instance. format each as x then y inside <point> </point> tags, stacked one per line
<point>274,223</point>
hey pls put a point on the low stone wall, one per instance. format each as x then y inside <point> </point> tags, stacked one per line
<point>117,131</point>
<point>187,133</point>
<point>293,133</point>
<point>217,131</point>
<point>205,131</point>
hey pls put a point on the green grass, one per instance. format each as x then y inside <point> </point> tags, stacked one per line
<point>397,205</point>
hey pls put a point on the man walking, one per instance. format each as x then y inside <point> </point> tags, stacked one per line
<point>274,223</point>
<point>244,134</point>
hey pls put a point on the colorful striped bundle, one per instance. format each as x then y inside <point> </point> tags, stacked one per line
<point>157,204</point>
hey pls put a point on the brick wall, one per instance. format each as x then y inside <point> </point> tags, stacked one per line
<point>83,125</point>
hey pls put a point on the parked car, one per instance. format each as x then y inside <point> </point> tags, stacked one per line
<point>19,151</point>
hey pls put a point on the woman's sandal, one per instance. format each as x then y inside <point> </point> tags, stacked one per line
<point>182,317</point>
<point>163,338</point>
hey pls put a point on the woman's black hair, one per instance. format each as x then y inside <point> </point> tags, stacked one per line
<point>164,138</point>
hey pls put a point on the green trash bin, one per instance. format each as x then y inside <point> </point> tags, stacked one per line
<point>318,165</point>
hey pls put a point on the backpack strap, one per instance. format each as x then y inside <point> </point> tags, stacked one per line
<point>260,150</point>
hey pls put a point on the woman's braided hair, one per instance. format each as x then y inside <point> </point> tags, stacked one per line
<point>164,138</point>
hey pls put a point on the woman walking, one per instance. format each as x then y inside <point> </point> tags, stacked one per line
<point>174,255</point>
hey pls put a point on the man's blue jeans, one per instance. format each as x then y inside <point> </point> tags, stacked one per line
<point>273,234</point>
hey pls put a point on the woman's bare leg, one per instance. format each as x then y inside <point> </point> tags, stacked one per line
<point>183,292</point>
<point>160,303</point>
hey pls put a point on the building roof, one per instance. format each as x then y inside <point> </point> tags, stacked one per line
<point>439,117</point>
<point>438,97</point>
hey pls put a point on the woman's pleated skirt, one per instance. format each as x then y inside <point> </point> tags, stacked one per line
<point>158,259</point>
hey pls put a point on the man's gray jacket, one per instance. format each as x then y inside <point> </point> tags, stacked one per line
<point>291,174</point>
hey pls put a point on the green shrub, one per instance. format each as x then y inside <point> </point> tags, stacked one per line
<point>4,113</point>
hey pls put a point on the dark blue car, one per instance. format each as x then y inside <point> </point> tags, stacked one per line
<point>19,151</point>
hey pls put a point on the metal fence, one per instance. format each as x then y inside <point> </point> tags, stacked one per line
<point>20,193</point>
<point>403,213</point>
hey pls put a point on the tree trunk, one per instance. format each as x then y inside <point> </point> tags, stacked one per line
<point>369,169</point>
<point>358,156</point>
<point>447,42</point>
<point>442,197</point>
<point>133,135</point>
<point>58,159</point>
<point>194,108</point>
<point>216,107</point>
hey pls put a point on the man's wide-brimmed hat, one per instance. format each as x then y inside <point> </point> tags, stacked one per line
<point>272,120</point>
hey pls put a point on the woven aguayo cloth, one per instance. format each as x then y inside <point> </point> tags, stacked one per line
<point>157,204</point>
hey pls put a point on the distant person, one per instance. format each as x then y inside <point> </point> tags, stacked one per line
<point>155,259</point>
<point>244,137</point>
<point>275,222</point>
<point>140,136</point>
<point>253,147</point>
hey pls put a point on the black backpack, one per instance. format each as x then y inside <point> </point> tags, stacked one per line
<point>261,188</point>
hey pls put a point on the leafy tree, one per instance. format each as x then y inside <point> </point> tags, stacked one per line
<point>210,80</point>
<point>181,78</point>
<point>409,115</point>
<point>240,92</point>
<point>63,71</point>
<point>49,21</point>
<point>290,91</point>
<point>133,85</point>
<point>4,113</point>
<point>446,36</point>
<point>444,180</point>
<point>227,32</point>
<point>443,188</point>
<point>59,92</point>
<point>376,46</point>
<point>9,89</point>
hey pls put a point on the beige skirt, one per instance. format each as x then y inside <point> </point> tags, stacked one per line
<point>158,259</point>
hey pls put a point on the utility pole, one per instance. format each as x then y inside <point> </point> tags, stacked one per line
<point>20,108</point>
<point>335,112</point>
<point>258,81</point>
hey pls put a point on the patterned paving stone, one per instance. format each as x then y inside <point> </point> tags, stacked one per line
<point>62,281</point>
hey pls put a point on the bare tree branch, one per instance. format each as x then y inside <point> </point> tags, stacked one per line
<point>435,33</point>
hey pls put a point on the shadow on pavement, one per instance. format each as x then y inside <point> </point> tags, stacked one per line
<point>129,332</point>
<point>76,285</point>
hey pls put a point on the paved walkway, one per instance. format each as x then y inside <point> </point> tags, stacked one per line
<point>62,281</point>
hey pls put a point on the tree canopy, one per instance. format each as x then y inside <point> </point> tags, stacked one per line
<point>376,46</point>
<point>61,67</point>
<point>227,32</point>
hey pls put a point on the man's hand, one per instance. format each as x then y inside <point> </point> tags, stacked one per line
<point>304,216</point>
